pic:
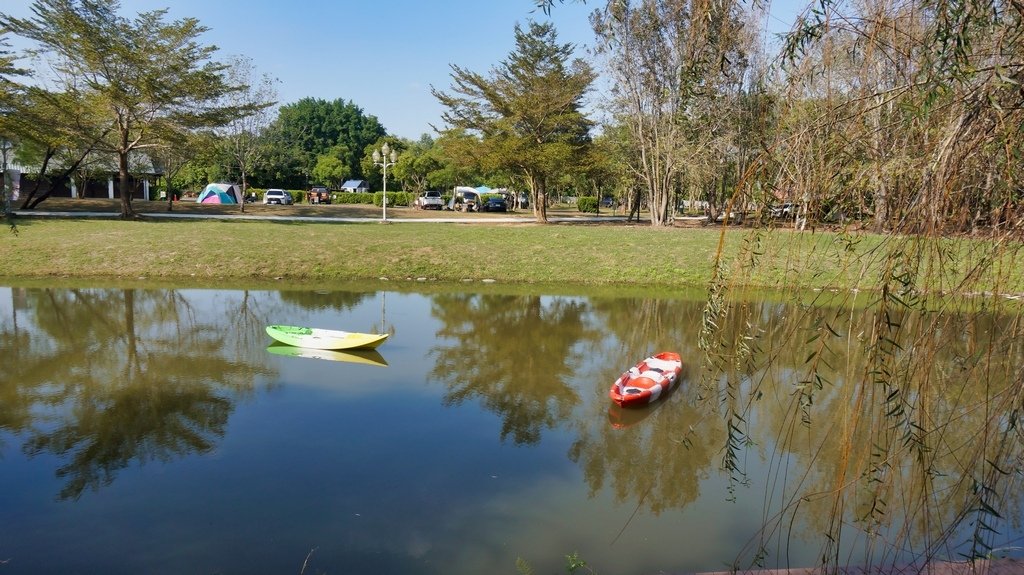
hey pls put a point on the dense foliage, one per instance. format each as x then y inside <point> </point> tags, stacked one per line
<point>314,132</point>
<point>123,85</point>
<point>587,204</point>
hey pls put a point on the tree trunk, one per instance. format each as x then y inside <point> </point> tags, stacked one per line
<point>539,192</point>
<point>634,204</point>
<point>879,187</point>
<point>27,203</point>
<point>126,196</point>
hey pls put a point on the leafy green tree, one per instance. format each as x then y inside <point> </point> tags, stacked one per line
<point>416,164</point>
<point>59,130</point>
<point>8,70</point>
<point>177,156</point>
<point>39,120</point>
<point>193,175</point>
<point>459,162</point>
<point>374,173</point>
<point>309,128</point>
<point>527,113</point>
<point>145,77</point>
<point>331,168</point>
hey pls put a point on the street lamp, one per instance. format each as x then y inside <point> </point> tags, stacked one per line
<point>385,157</point>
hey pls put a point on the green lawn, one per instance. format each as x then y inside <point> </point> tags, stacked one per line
<point>624,255</point>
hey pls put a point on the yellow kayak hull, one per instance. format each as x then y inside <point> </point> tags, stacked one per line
<point>315,338</point>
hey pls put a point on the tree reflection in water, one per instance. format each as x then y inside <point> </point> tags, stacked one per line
<point>517,355</point>
<point>893,431</point>
<point>889,433</point>
<point>637,452</point>
<point>643,461</point>
<point>112,377</point>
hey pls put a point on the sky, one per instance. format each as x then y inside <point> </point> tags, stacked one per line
<point>383,56</point>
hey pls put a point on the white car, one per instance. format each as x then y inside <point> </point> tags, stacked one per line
<point>430,200</point>
<point>275,196</point>
<point>786,210</point>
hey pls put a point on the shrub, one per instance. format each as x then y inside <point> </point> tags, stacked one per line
<point>587,204</point>
<point>353,198</point>
<point>394,198</point>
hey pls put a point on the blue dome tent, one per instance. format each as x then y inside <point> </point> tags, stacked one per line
<point>220,194</point>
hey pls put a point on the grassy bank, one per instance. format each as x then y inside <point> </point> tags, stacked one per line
<point>586,255</point>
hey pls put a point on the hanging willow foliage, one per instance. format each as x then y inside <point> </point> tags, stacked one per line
<point>904,119</point>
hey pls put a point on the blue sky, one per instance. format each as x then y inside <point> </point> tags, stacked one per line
<point>383,56</point>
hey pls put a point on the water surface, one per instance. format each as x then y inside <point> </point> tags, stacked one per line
<point>153,431</point>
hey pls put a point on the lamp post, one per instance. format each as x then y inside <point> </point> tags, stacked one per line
<point>385,157</point>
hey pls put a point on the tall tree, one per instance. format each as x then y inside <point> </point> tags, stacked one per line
<point>311,127</point>
<point>149,77</point>
<point>242,136</point>
<point>668,60</point>
<point>923,102</point>
<point>8,90</point>
<point>527,112</point>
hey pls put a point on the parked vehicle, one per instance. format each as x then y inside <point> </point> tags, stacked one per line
<point>275,196</point>
<point>494,204</point>
<point>430,200</point>
<point>319,195</point>
<point>787,210</point>
<point>468,202</point>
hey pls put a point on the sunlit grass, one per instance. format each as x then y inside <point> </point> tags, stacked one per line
<point>585,255</point>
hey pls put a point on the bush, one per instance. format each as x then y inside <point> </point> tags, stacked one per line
<point>587,204</point>
<point>394,199</point>
<point>353,198</point>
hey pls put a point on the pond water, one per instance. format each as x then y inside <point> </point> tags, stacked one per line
<point>159,431</point>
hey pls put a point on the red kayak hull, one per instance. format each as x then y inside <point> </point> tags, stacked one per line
<point>647,380</point>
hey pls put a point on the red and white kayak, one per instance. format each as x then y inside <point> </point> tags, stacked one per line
<point>648,380</point>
